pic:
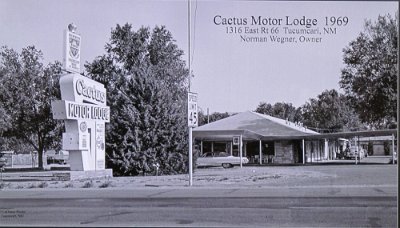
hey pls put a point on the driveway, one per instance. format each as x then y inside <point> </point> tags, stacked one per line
<point>249,177</point>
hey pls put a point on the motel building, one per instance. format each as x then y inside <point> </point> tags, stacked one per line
<point>269,140</point>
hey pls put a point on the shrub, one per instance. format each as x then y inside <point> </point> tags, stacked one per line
<point>68,185</point>
<point>105,184</point>
<point>88,184</point>
<point>42,185</point>
<point>3,185</point>
<point>31,185</point>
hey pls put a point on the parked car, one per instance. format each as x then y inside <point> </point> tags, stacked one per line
<point>57,157</point>
<point>353,151</point>
<point>220,159</point>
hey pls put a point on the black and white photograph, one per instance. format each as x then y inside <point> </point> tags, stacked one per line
<point>199,113</point>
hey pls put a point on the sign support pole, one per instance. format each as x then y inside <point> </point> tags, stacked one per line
<point>190,157</point>
<point>192,122</point>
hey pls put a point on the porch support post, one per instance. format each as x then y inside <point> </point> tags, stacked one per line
<point>231,148</point>
<point>393,150</point>
<point>304,151</point>
<point>212,146</point>
<point>201,147</point>
<point>261,158</point>
<point>326,149</point>
<point>241,151</point>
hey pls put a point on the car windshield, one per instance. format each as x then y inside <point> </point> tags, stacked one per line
<point>222,154</point>
<point>207,155</point>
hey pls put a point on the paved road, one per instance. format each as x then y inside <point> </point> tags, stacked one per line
<point>350,206</point>
<point>330,196</point>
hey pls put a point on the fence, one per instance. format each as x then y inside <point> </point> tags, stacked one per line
<point>21,160</point>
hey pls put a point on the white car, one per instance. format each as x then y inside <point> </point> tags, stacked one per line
<point>353,151</point>
<point>220,159</point>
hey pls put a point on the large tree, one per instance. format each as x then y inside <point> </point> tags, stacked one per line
<point>209,118</point>
<point>330,112</point>
<point>27,88</point>
<point>369,78</point>
<point>280,110</point>
<point>146,82</point>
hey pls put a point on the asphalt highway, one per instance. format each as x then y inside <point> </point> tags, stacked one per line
<point>311,206</point>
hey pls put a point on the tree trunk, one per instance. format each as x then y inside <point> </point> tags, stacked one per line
<point>40,154</point>
<point>40,159</point>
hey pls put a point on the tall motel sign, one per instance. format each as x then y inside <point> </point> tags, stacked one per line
<point>83,109</point>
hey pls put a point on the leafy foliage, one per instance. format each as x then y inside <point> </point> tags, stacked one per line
<point>369,78</point>
<point>330,112</point>
<point>146,82</point>
<point>280,110</point>
<point>204,119</point>
<point>25,99</point>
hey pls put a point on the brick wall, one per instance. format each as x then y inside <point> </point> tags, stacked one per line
<point>284,152</point>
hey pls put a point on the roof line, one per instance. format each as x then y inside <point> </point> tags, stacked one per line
<point>384,132</point>
<point>280,121</point>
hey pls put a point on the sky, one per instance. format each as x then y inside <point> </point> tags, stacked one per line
<point>230,75</point>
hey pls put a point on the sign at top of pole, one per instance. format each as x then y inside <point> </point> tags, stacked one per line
<point>192,110</point>
<point>72,50</point>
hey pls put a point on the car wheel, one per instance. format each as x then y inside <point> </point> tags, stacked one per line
<point>226,165</point>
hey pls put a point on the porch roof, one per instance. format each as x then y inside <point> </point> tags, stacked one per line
<point>251,125</point>
<point>255,126</point>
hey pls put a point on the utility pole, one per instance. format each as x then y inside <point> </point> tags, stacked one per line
<point>190,127</point>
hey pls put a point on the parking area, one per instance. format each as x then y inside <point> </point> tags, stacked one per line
<point>362,174</point>
<point>366,160</point>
